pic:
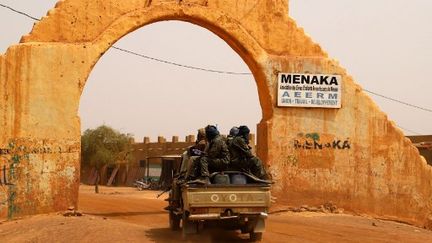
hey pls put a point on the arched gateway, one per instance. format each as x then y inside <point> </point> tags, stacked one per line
<point>349,153</point>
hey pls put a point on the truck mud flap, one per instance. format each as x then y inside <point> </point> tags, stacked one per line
<point>256,224</point>
<point>259,226</point>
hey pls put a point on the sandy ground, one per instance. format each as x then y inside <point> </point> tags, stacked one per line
<point>128,215</point>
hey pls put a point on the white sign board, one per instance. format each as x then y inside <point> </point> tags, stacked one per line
<point>309,90</point>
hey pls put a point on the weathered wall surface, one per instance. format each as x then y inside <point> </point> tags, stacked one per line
<point>40,143</point>
<point>369,166</point>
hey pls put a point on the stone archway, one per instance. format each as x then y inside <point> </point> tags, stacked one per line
<point>41,80</point>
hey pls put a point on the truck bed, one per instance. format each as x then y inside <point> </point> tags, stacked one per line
<point>226,196</point>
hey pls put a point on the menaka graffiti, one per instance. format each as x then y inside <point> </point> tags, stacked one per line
<point>311,141</point>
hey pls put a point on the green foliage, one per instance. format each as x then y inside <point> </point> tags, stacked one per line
<point>104,145</point>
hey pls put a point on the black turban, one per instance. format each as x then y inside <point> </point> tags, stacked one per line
<point>211,132</point>
<point>244,133</point>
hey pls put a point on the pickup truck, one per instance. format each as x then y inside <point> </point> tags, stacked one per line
<point>234,205</point>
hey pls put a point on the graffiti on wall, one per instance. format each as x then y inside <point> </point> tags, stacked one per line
<point>313,141</point>
<point>12,150</point>
<point>3,186</point>
<point>4,176</point>
<point>290,160</point>
<point>12,158</point>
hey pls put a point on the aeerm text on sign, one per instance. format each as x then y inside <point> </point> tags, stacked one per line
<point>309,90</point>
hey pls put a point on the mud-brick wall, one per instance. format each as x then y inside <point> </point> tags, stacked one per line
<point>40,136</point>
<point>353,157</point>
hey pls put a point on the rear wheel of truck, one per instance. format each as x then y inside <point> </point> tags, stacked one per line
<point>174,221</point>
<point>188,227</point>
<point>255,236</point>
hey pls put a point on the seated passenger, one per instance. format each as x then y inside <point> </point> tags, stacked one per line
<point>215,157</point>
<point>232,133</point>
<point>192,153</point>
<point>242,158</point>
<point>188,157</point>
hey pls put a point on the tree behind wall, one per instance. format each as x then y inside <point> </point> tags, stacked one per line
<point>104,146</point>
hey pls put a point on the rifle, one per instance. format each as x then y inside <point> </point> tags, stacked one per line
<point>165,191</point>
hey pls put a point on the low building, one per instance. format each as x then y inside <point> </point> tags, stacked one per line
<point>424,145</point>
<point>148,158</point>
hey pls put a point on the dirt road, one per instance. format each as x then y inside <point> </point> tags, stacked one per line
<point>127,215</point>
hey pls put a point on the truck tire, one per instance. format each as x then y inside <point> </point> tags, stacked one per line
<point>188,227</point>
<point>255,236</point>
<point>174,221</point>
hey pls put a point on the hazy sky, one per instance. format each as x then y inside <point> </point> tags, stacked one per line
<point>384,44</point>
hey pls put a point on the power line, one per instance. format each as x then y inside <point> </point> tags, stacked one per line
<point>398,101</point>
<point>212,70</point>
<point>180,65</point>
<point>408,130</point>
<point>19,12</point>
<point>145,56</point>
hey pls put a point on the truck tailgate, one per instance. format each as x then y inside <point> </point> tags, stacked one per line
<point>227,196</point>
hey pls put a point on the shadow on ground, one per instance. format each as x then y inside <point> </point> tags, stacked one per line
<point>207,235</point>
<point>124,214</point>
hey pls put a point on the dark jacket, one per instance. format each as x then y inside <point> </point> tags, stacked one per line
<point>217,151</point>
<point>239,150</point>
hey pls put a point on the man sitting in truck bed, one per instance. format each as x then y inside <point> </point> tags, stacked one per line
<point>192,153</point>
<point>216,158</point>
<point>232,134</point>
<point>188,157</point>
<point>242,158</point>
